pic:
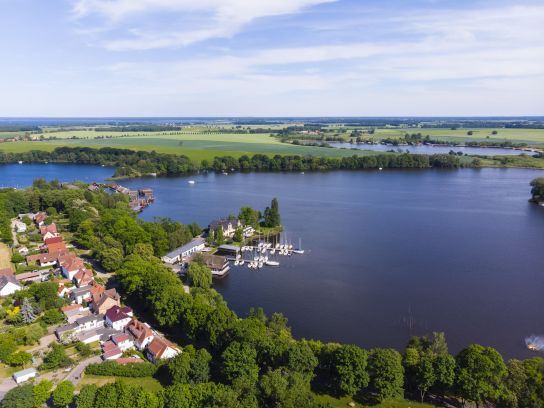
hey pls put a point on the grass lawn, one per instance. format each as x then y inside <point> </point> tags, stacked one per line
<point>343,402</point>
<point>147,383</point>
<point>7,371</point>
<point>5,256</point>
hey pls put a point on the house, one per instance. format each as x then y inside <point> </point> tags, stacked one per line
<point>79,295</point>
<point>39,218</point>
<point>24,375</point>
<point>129,360</point>
<point>55,244</point>
<point>19,226</point>
<point>67,332</point>
<point>49,235</point>
<point>49,259</point>
<point>248,231</point>
<point>73,312</point>
<point>160,348</point>
<point>102,335</point>
<point>34,276</point>
<point>9,285</point>
<point>70,266</point>
<point>219,265</point>
<point>48,231</point>
<point>111,351</point>
<point>6,272</point>
<point>23,250</point>
<point>118,317</point>
<point>102,299</point>
<point>63,290</point>
<point>83,277</point>
<point>123,341</point>
<point>227,225</point>
<point>141,332</point>
<point>183,252</point>
<point>90,322</point>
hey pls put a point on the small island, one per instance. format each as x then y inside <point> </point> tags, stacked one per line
<point>537,191</point>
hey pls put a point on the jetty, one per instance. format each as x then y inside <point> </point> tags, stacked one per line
<point>138,199</point>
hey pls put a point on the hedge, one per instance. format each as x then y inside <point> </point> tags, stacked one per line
<point>112,368</point>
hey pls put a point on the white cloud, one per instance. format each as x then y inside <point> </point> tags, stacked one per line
<point>224,18</point>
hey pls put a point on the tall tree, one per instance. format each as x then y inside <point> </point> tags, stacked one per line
<point>63,394</point>
<point>27,311</point>
<point>386,373</point>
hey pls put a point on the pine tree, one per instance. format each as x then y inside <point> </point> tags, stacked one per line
<point>27,312</point>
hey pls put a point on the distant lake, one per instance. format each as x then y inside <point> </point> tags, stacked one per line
<point>389,254</point>
<point>424,149</point>
<point>22,175</point>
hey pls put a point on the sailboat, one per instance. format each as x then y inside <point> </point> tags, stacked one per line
<point>299,250</point>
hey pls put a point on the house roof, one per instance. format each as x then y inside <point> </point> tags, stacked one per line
<point>91,318</point>
<point>71,262</point>
<point>139,330</point>
<point>54,240</point>
<point>112,353</point>
<point>116,313</point>
<point>52,228</point>
<point>66,327</point>
<point>39,217</point>
<point>213,261</point>
<point>6,272</point>
<point>25,372</point>
<point>158,346</point>
<point>187,247</point>
<point>81,291</point>
<point>4,280</point>
<point>118,338</point>
<point>83,276</point>
<point>70,308</point>
<point>129,360</point>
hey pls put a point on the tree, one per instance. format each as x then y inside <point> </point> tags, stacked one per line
<point>42,392</point>
<point>27,312</point>
<point>86,396</point>
<point>272,214</point>
<point>249,216</point>
<point>238,235</point>
<point>19,358</point>
<point>219,236</point>
<point>210,239</point>
<point>301,359</point>
<point>349,369</point>
<point>200,275</point>
<point>386,374</point>
<point>538,188</point>
<point>240,361</point>
<point>63,395</point>
<point>283,389</point>
<point>111,258</point>
<point>191,366</point>
<point>424,374</point>
<point>19,397</point>
<point>480,372</point>
<point>56,358</point>
<point>7,346</point>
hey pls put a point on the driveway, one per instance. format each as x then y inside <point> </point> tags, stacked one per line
<point>75,375</point>
<point>6,385</point>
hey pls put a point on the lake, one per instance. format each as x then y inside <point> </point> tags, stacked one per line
<point>424,149</point>
<point>388,254</point>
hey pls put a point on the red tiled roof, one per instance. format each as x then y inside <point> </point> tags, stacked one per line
<point>69,308</point>
<point>48,228</point>
<point>129,360</point>
<point>158,346</point>
<point>116,313</point>
<point>118,338</point>
<point>54,240</point>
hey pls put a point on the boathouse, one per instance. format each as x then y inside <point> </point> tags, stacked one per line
<point>183,252</point>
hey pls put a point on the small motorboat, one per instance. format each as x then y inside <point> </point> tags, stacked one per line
<point>20,162</point>
<point>191,182</point>
<point>272,263</point>
<point>242,262</point>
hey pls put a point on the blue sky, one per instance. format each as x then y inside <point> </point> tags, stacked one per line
<point>271,57</point>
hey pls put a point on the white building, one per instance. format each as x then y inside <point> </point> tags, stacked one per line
<point>182,253</point>
<point>9,285</point>
<point>19,226</point>
<point>24,375</point>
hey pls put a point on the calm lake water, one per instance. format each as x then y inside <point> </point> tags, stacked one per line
<point>388,254</point>
<point>423,149</point>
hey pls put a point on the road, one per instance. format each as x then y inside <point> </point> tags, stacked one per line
<point>75,375</point>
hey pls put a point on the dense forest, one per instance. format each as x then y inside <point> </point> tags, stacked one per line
<point>254,361</point>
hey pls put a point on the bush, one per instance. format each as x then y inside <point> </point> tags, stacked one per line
<point>17,257</point>
<point>19,358</point>
<point>83,349</point>
<point>111,368</point>
<point>56,358</point>
<point>52,316</point>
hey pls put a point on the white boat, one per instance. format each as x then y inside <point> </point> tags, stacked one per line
<point>237,262</point>
<point>225,173</point>
<point>272,263</point>
<point>380,168</point>
<point>20,162</point>
<point>242,262</point>
<point>278,246</point>
<point>191,182</point>
<point>260,264</point>
<point>255,258</point>
<point>299,250</point>
<point>272,251</point>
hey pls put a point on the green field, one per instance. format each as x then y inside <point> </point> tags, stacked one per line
<point>147,383</point>
<point>207,142</point>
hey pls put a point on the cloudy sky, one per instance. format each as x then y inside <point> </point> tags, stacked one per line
<point>271,57</point>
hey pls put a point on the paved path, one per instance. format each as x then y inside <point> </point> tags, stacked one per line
<point>75,374</point>
<point>6,385</point>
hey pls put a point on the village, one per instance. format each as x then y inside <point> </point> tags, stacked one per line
<point>91,314</point>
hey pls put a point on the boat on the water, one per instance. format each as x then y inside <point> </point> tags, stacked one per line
<point>191,182</point>
<point>272,263</point>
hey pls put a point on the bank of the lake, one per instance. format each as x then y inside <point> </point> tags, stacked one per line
<point>388,253</point>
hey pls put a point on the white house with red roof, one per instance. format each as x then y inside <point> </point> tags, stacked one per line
<point>160,348</point>
<point>118,317</point>
<point>123,341</point>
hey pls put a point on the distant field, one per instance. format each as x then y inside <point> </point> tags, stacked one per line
<point>147,383</point>
<point>343,402</point>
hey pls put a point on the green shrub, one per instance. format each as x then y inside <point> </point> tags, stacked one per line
<point>111,368</point>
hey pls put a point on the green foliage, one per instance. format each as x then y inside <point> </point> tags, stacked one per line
<point>199,275</point>
<point>112,368</point>
<point>7,346</point>
<point>240,361</point>
<point>56,358</point>
<point>538,188</point>
<point>63,395</point>
<point>42,392</point>
<point>52,316</point>
<point>86,396</point>
<point>83,349</point>
<point>283,389</point>
<point>249,216</point>
<point>272,215</point>
<point>219,236</point>
<point>19,397</point>
<point>17,258</point>
<point>301,359</point>
<point>480,374</point>
<point>238,235</point>
<point>19,358</point>
<point>349,369</point>
<point>191,366</point>
<point>386,374</point>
